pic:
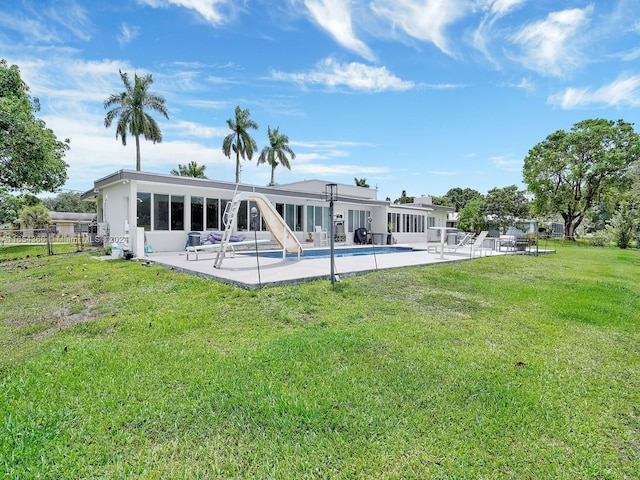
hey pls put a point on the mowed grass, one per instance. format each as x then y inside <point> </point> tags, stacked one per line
<point>502,367</point>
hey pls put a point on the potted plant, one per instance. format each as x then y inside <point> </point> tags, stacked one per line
<point>309,237</point>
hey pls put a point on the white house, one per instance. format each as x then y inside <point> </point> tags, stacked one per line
<point>168,207</point>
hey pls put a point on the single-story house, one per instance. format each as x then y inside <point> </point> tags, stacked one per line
<point>168,207</point>
<point>71,223</point>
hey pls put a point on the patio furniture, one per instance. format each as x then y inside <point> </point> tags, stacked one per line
<point>465,242</point>
<point>478,243</point>
<point>215,247</point>
<point>320,237</point>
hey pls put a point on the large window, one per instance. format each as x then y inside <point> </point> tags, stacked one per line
<point>197,213</point>
<point>213,214</point>
<point>242,222</point>
<point>160,212</point>
<point>144,210</point>
<point>292,214</point>
<point>358,219</point>
<point>177,212</point>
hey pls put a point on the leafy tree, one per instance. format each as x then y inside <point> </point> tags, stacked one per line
<point>239,140</point>
<point>623,225</point>
<point>404,198</point>
<point>129,109</point>
<point>192,169</point>
<point>458,197</point>
<point>10,205</point>
<point>276,152</point>
<point>569,171</point>
<point>361,182</point>
<point>69,202</point>
<point>471,217</point>
<point>505,206</point>
<point>36,216</point>
<point>31,157</point>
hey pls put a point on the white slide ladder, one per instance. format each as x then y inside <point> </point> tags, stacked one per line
<point>279,229</point>
<point>228,217</point>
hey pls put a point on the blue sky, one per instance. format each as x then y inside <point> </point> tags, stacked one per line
<point>415,95</point>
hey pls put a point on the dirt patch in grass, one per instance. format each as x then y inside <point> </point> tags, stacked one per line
<point>65,319</point>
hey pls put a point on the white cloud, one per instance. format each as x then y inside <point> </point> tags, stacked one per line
<point>506,164</point>
<point>625,91</point>
<point>442,173</point>
<point>355,76</point>
<point>48,25</point>
<point>426,20</point>
<point>215,12</point>
<point>502,7</point>
<point>550,46</point>
<point>191,129</point>
<point>335,17</point>
<point>127,34</point>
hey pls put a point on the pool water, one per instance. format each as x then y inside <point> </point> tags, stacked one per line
<point>338,252</point>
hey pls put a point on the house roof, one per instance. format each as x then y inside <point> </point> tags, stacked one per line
<point>71,217</point>
<point>308,189</point>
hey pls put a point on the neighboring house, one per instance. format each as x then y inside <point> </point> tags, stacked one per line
<point>168,207</point>
<point>64,224</point>
<point>71,223</point>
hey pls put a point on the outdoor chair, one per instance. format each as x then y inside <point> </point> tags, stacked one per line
<point>320,237</point>
<point>466,240</point>
<point>477,243</point>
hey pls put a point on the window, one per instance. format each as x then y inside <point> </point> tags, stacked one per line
<point>213,210</point>
<point>197,213</point>
<point>177,212</point>
<point>358,219</point>
<point>243,217</point>
<point>160,212</point>
<point>144,210</point>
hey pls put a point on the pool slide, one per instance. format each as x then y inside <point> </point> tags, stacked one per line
<point>280,231</point>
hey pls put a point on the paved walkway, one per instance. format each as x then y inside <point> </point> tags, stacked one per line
<point>242,270</point>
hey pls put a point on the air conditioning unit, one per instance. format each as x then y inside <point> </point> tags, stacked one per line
<point>103,229</point>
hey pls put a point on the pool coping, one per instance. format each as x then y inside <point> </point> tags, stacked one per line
<point>242,270</point>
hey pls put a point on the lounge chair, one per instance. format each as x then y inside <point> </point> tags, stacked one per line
<point>466,240</point>
<point>477,243</point>
<point>214,247</point>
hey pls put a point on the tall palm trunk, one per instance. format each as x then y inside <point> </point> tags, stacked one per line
<point>238,162</point>
<point>138,153</point>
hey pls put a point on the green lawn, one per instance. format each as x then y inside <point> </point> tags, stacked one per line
<point>518,367</point>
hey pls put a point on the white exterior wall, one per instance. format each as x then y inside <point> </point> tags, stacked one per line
<point>118,204</point>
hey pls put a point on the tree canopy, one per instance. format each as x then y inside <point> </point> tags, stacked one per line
<point>458,197</point>
<point>239,140</point>
<point>569,171</point>
<point>69,202</point>
<point>276,152</point>
<point>192,169</point>
<point>31,157</point>
<point>361,182</point>
<point>505,206</point>
<point>130,110</point>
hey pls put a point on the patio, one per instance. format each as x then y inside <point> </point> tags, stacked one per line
<point>241,270</point>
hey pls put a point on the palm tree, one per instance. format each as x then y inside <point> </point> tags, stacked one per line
<point>239,139</point>
<point>130,111</point>
<point>276,153</point>
<point>192,169</point>
<point>361,182</point>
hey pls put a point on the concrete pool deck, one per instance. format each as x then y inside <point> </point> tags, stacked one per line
<point>242,269</point>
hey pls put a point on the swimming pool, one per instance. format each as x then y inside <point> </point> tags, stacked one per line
<point>338,252</point>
